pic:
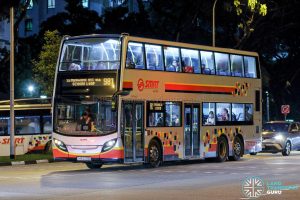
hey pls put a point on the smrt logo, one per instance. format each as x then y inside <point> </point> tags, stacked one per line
<point>140,84</point>
<point>148,84</point>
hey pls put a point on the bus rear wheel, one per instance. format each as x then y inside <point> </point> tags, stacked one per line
<point>93,165</point>
<point>155,154</point>
<point>222,151</point>
<point>237,149</point>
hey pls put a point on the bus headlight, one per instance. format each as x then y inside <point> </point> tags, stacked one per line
<point>59,144</point>
<point>109,145</point>
<point>278,137</point>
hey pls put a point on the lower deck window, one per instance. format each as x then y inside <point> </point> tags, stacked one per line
<point>227,114</point>
<point>164,114</point>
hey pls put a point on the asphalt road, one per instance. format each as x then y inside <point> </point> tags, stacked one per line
<point>185,180</point>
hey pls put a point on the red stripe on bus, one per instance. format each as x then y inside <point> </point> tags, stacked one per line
<point>59,154</point>
<point>127,85</point>
<point>199,88</point>
<point>114,153</point>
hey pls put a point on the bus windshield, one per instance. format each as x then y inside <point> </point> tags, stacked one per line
<point>85,117</point>
<point>90,54</point>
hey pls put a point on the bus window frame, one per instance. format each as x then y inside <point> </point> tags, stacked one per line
<point>164,114</point>
<point>200,60</point>
<point>59,70</point>
<point>227,123</point>
<point>24,113</point>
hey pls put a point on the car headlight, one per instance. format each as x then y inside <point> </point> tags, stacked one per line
<point>278,137</point>
<point>109,145</point>
<point>59,144</point>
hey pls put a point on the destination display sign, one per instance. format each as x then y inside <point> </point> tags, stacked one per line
<point>101,84</point>
<point>90,82</point>
<point>156,106</point>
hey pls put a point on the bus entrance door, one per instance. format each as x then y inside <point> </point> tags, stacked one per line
<point>133,131</point>
<point>191,130</point>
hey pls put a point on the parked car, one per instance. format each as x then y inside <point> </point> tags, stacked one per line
<point>281,136</point>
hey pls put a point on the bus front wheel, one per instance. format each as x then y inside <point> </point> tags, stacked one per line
<point>93,165</point>
<point>155,154</point>
<point>222,151</point>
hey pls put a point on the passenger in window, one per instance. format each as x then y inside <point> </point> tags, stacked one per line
<point>115,65</point>
<point>74,66</point>
<point>248,116</point>
<point>186,68</point>
<point>175,120</point>
<point>224,115</point>
<point>173,67</point>
<point>160,120</point>
<point>151,60</point>
<point>210,119</point>
<point>129,63</point>
<point>204,69</point>
<point>101,65</point>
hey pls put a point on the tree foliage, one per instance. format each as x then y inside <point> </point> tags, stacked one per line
<point>44,67</point>
<point>75,20</point>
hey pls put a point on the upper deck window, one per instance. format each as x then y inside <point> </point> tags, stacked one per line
<point>190,61</point>
<point>207,62</point>
<point>222,64</point>
<point>237,66</point>
<point>250,67</point>
<point>90,54</point>
<point>154,57</point>
<point>135,56</point>
<point>172,59</point>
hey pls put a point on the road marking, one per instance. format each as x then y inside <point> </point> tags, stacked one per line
<point>283,164</point>
<point>208,172</point>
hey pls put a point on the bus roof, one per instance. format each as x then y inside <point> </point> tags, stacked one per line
<point>189,45</point>
<point>25,104</point>
<point>166,42</point>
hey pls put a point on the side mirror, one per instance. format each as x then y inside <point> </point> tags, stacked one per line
<point>122,93</point>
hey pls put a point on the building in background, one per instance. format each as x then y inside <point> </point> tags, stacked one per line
<point>39,11</point>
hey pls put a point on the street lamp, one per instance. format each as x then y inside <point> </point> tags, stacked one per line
<point>30,88</point>
<point>12,83</point>
<point>213,24</point>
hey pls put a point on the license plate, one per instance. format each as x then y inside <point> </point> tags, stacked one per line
<point>84,158</point>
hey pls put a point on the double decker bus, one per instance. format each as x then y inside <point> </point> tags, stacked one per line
<point>33,126</point>
<point>126,99</point>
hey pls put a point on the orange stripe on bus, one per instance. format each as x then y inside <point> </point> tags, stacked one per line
<point>199,88</point>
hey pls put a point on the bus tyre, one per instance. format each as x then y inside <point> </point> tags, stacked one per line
<point>287,149</point>
<point>93,165</point>
<point>222,151</point>
<point>155,154</point>
<point>237,149</point>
